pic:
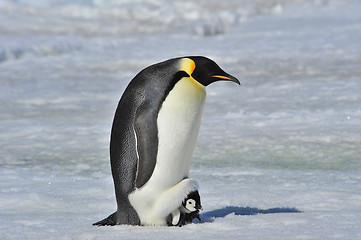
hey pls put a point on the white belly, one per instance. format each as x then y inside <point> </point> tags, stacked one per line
<point>178,126</point>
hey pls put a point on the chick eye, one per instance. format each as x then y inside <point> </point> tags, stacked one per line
<point>190,202</point>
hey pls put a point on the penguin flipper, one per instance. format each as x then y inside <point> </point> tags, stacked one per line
<point>109,221</point>
<point>146,131</point>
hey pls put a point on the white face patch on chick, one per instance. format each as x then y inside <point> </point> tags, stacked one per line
<point>190,205</point>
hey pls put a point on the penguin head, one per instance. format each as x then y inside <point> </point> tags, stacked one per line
<point>206,71</point>
<point>190,205</point>
<point>192,202</point>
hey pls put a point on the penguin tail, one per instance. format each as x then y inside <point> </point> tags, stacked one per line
<point>109,221</point>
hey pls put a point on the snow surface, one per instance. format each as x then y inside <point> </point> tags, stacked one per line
<point>277,158</point>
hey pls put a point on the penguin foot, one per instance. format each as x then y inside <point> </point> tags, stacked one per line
<point>126,217</point>
<point>109,221</point>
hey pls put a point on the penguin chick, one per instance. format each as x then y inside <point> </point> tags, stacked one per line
<point>188,211</point>
<point>192,203</point>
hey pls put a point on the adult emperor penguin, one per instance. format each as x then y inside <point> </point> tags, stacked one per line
<point>153,136</point>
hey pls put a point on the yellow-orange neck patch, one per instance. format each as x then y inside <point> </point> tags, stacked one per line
<point>187,65</point>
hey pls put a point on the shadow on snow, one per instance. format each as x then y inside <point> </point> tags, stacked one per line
<point>220,213</point>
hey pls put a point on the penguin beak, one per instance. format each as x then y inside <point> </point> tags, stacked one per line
<point>227,78</point>
<point>199,207</point>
